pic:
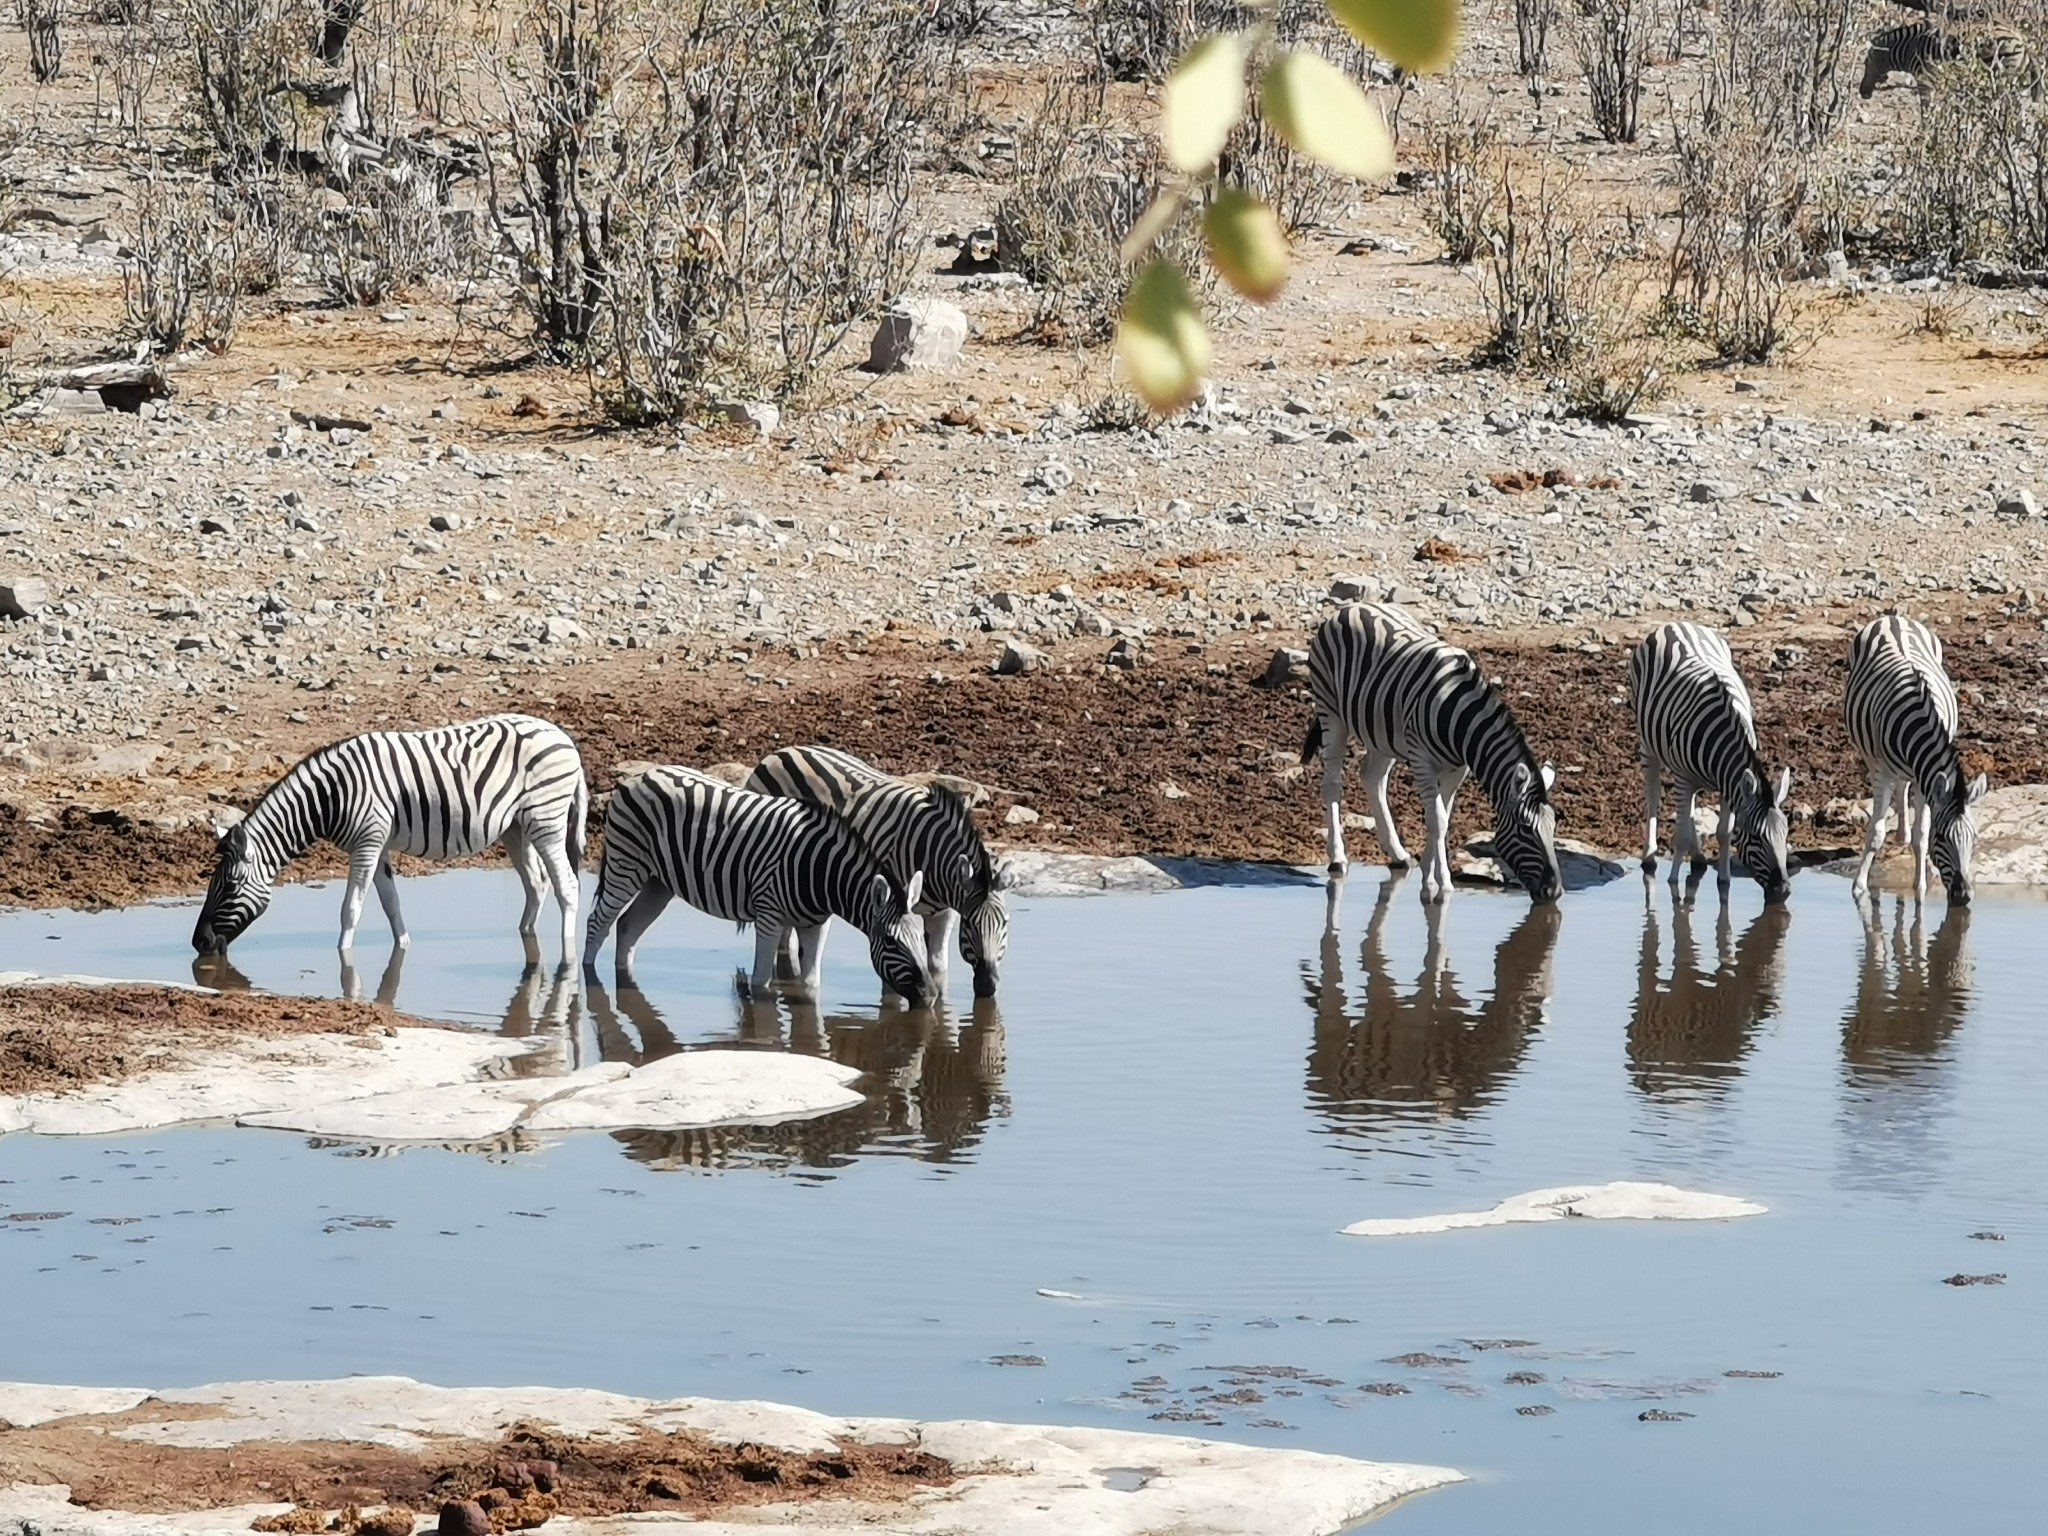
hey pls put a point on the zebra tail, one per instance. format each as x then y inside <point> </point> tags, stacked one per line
<point>579,823</point>
<point>1312,743</point>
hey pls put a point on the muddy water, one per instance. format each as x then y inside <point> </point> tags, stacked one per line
<point>1181,1100</point>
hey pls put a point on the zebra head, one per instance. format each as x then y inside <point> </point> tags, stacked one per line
<point>1525,832</point>
<point>236,895</point>
<point>1761,832</point>
<point>896,936</point>
<point>1952,833</point>
<point>985,925</point>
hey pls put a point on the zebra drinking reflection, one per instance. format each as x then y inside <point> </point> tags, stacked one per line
<point>1692,1032</point>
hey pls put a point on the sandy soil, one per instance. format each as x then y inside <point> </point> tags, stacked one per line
<point>520,1481</point>
<point>54,1038</point>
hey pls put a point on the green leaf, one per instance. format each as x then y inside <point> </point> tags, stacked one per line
<point>1325,116</point>
<point>1204,100</point>
<point>1415,34</point>
<point>1160,338</point>
<point>1246,244</point>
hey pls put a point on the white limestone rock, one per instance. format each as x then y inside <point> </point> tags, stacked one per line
<point>699,1088</point>
<point>1624,1200</point>
<point>918,333</point>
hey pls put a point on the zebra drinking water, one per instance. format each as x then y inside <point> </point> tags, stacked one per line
<point>444,793</point>
<point>924,829</point>
<point>1901,711</point>
<point>777,863</point>
<point>1695,721</point>
<point>1377,674</point>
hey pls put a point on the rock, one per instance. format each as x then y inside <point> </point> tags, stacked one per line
<point>463,1517</point>
<point>556,630</point>
<point>2019,504</point>
<point>1287,666</point>
<point>1168,790</point>
<point>1018,658</point>
<point>1052,475</point>
<point>1355,589</point>
<point>393,1520</point>
<point>22,597</point>
<point>1835,264</point>
<point>1123,654</point>
<point>1580,864</point>
<point>1712,490</point>
<point>1019,816</point>
<point>1624,1200</point>
<point>917,333</point>
<point>120,386</point>
<point>445,522</point>
<point>2012,836</point>
<point>1839,812</point>
<point>1088,621</point>
<point>1006,602</point>
<point>1784,658</point>
<point>762,416</point>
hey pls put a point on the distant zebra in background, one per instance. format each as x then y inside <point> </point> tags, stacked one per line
<point>1901,711</point>
<point>444,793</point>
<point>779,864</point>
<point>1917,46</point>
<point>1376,674</point>
<point>924,829</point>
<point>1694,720</point>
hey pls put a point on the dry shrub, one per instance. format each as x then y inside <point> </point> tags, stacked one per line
<point>237,51</point>
<point>1975,186</point>
<point>705,204</point>
<point>1463,155</point>
<point>1080,185</point>
<point>1740,245</point>
<point>186,280</point>
<point>1786,65</point>
<point>392,235</point>
<point>1613,42</point>
<point>1140,39</point>
<point>43,21</point>
<point>1561,278</point>
<point>1533,21</point>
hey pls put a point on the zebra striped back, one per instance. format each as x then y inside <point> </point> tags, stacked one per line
<point>1915,47</point>
<point>1900,707</point>
<point>914,829</point>
<point>1402,691</point>
<point>443,793</point>
<point>752,858</point>
<point>1695,719</point>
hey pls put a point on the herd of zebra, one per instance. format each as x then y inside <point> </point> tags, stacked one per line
<point>815,833</point>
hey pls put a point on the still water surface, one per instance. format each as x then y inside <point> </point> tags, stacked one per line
<point>1178,1103</point>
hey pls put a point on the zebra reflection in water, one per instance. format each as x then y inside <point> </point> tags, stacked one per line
<point>1912,996</point>
<point>1692,1032</point>
<point>1391,1055</point>
<point>931,1088</point>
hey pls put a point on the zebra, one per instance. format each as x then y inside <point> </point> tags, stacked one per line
<point>1694,720</point>
<point>1376,673</point>
<point>1916,46</point>
<point>444,793</point>
<point>1901,711</point>
<point>779,864</point>
<point>926,829</point>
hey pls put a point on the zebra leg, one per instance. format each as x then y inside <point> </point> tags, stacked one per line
<point>1378,768</point>
<point>1653,800</point>
<point>1923,815</point>
<point>363,865</point>
<point>767,946</point>
<point>1436,860</point>
<point>635,921</point>
<point>810,943</point>
<point>788,963</point>
<point>615,889</point>
<point>1335,736</point>
<point>1686,843</point>
<point>1881,788</point>
<point>526,863</point>
<point>561,874</point>
<point>387,897</point>
<point>939,929</point>
<point>1724,848</point>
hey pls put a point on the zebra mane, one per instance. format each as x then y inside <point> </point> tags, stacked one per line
<point>1525,755</point>
<point>953,809</point>
<point>285,783</point>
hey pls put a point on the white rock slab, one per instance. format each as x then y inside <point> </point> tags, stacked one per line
<point>254,1077</point>
<point>2012,836</point>
<point>47,1510</point>
<point>27,1404</point>
<point>1624,1200</point>
<point>699,1088</point>
<point>455,1112</point>
<point>58,979</point>
<point>1045,1481</point>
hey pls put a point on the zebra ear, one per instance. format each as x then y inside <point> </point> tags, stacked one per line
<point>913,888</point>
<point>1977,788</point>
<point>1784,787</point>
<point>1549,776</point>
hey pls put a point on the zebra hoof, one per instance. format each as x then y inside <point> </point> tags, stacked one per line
<point>1337,871</point>
<point>1649,864</point>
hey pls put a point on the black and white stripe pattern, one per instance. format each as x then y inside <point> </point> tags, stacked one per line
<point>777,863</point>
<point>445,793</point>
<point>1915,47</point>
<point>1694,721</point>
<point>915,828</point>
<point>1376,674</point>
<point>1901,711</point>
